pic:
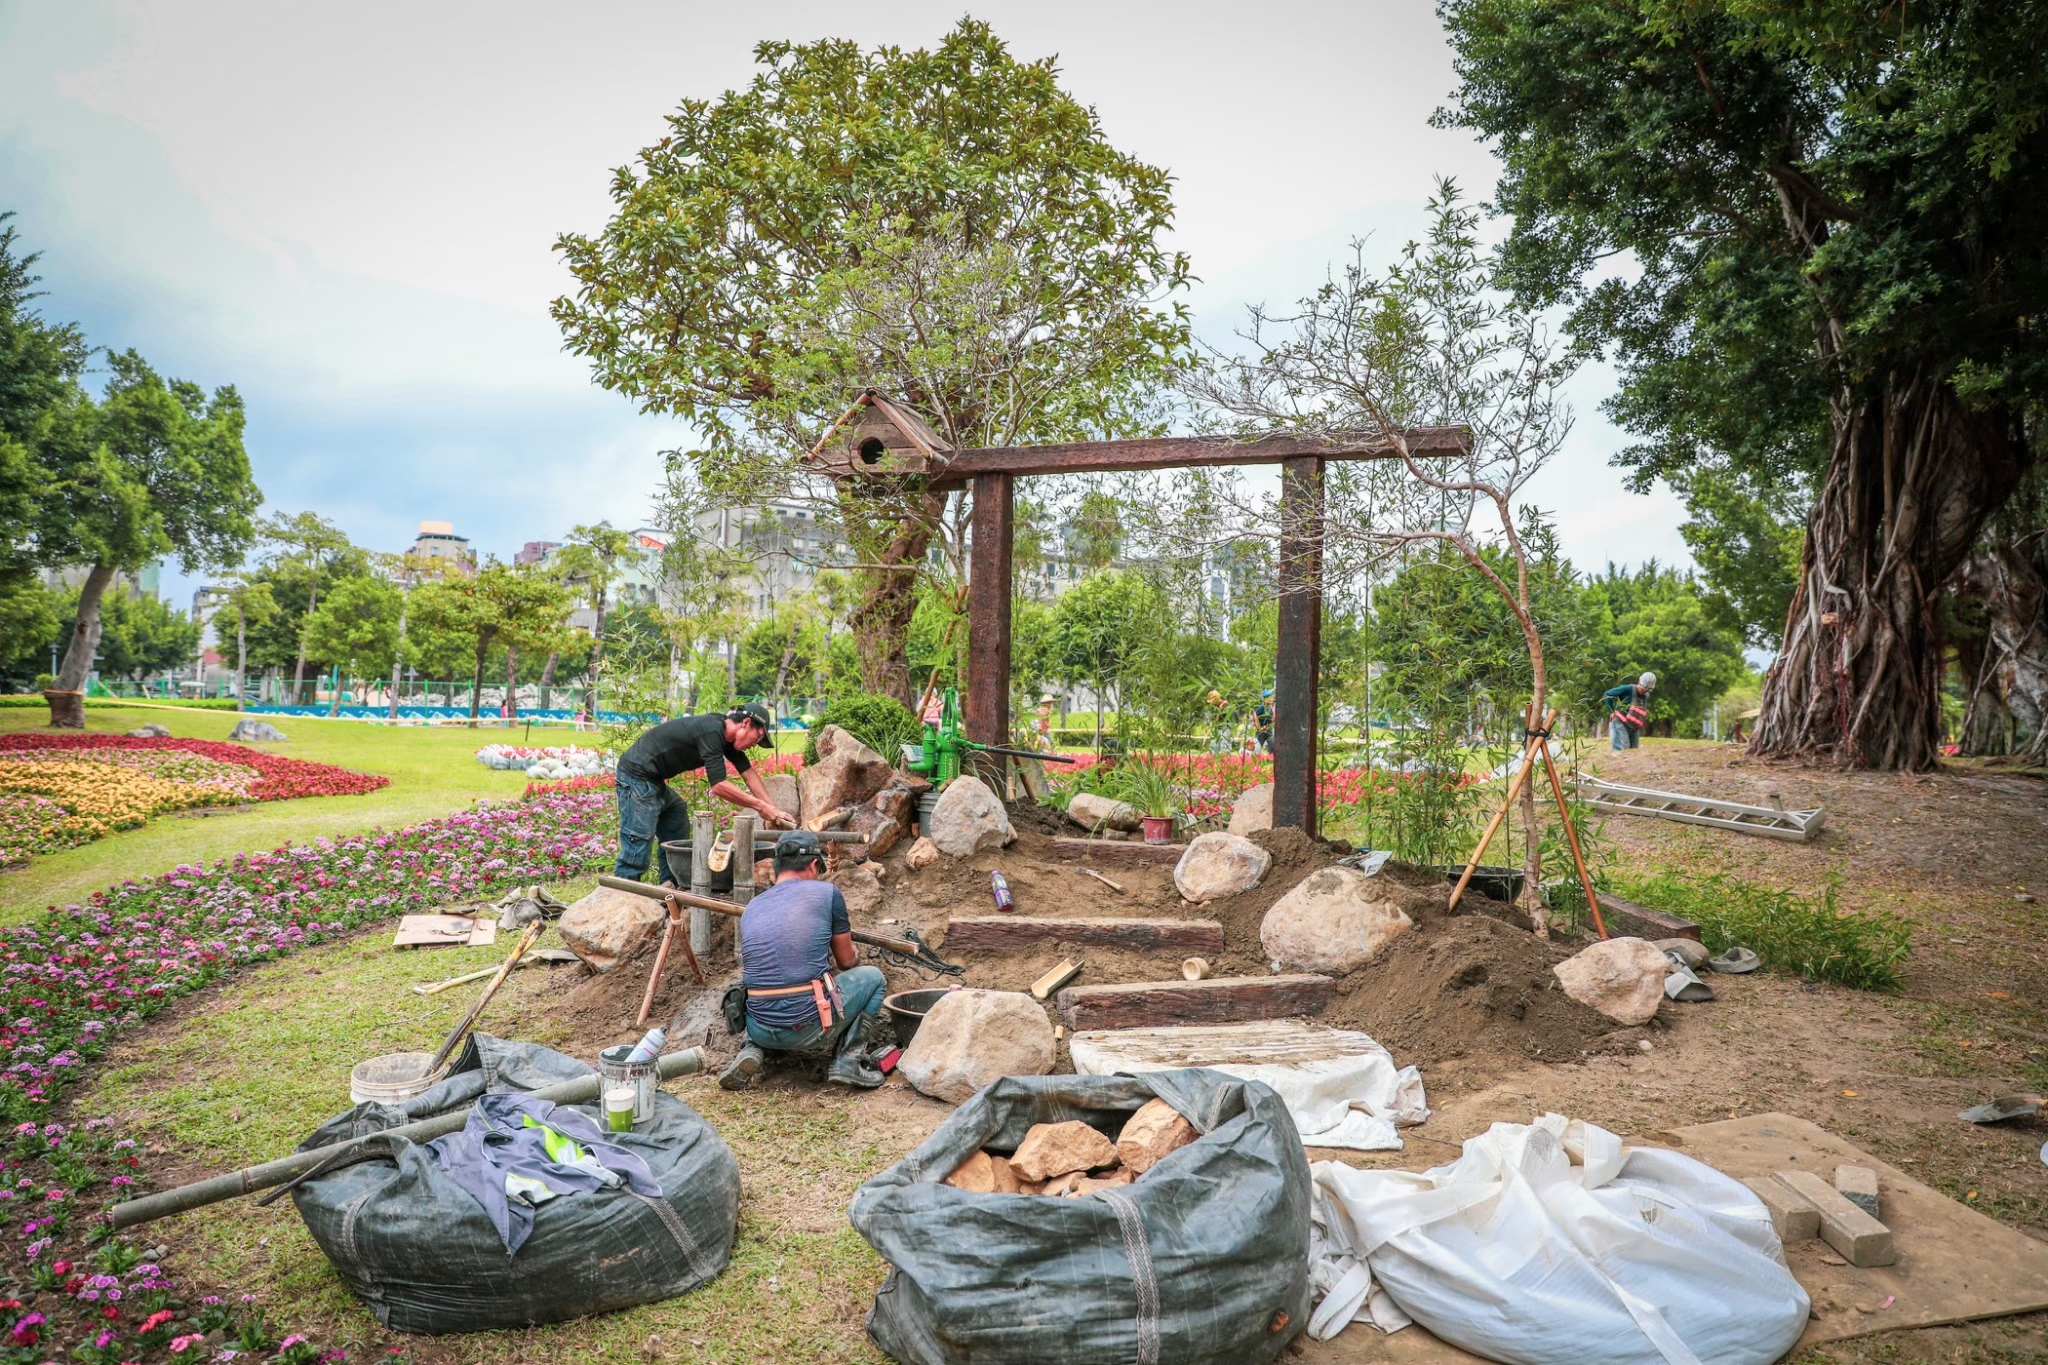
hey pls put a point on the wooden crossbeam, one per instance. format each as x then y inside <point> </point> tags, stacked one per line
<point>1143,1004</point>
<point>1000,933</point>
<point>1185,452</point>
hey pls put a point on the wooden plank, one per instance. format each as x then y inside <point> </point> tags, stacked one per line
<point>1116,850</point>
<point>1143,1004</point>
<point>1185,452</point>
<point>1861,1239</point>
<point>1626,918</point>
<point>988,616</point>
<point>1297,663</point>
<point>442,931</point>
<point>997,933</point>
<point>1056,978</point>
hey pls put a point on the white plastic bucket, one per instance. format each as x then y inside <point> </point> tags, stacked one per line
<point>391,1079</point>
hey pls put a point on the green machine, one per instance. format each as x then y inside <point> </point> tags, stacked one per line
<point>937,759</point>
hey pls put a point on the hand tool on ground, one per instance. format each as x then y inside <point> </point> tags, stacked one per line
<point>675,931</point>
<point>533,931</point>
<point>532,959</point>
<point>907,951</point>
<point>945,743</point>
<point>582,1090</point>
<point>2003,1108</point>
<point>1091,872</point>
<point>831,819</point>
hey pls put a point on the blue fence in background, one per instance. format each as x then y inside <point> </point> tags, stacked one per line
<point>406,712</point>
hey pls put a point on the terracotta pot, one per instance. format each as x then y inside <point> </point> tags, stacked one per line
<point>67,709</point>
<point>1158,829</point>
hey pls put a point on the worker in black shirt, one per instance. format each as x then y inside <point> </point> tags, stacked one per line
<point>650,813</point>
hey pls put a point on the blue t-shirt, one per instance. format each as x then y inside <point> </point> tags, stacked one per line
<point>786,937</point>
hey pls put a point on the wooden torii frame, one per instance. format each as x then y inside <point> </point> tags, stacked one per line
<point>868,442</point>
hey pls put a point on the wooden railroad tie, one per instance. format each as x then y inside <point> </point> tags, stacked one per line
<point>997,933</point>
<point>1117,850</point>
<point>1146,1004</point>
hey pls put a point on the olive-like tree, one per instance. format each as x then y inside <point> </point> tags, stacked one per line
<point>948,225</point>
<point>1812,235</point>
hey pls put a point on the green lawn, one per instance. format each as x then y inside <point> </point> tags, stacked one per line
<point>432,772</point>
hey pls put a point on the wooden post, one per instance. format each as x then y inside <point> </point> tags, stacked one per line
<point>988,617</point>
<point>743,855</point>
<point>1298,665</point>
<point>703,829</point>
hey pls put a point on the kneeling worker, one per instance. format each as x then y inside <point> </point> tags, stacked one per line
<point>791,937</point>
<point>651,814</point>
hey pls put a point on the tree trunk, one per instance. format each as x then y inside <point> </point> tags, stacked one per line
<point>511,684</point>
<point>596,654</point>
<point>241,657</point>
<point>299,668</point>
<point>675,672</point>
<point>69,711</point>
<point>334,703</point>
<point>2015,671</point>
<point>1911,480</point>
<point>547,680</point>
<point>476,687</point>
<point>1987,724</point>
<point>398,655</point>
<point>782,670</point>
<point>881,619</point>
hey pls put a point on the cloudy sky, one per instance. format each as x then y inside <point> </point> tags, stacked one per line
<point>348,211</point>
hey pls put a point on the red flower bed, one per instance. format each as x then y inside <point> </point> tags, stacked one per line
<point>278,778</point>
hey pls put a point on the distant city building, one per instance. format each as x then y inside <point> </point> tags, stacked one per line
<point>788,540</point>
<point>144,582</point>
<point>536,551</point>
<point>437,540</point>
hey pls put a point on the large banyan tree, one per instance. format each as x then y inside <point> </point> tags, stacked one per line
<point>1813,236</point>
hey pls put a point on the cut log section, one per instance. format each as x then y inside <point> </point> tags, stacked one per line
<point>1117,850</point>
<point>1145,1004</point>
<point>996,933</point>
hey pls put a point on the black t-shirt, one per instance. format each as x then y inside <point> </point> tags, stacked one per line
<point>679,745</point>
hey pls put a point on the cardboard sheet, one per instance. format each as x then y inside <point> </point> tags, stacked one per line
<point>441,931</point>
<point>1954,1265</point>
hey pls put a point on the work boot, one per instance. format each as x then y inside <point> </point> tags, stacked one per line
<point>854,1069</point>
<point>739,1073</point>
<point>876,1034</point>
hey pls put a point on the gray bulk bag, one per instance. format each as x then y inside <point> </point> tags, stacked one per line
<point>1201,1261</point>
<point>421,1252</point>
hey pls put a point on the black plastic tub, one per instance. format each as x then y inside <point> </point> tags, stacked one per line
<point>906,1010</point>
<point>1500,883</point>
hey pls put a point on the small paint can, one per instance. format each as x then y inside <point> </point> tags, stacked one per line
<point>642,1077</point>
<point>999,887</point>
<point>618,1108</point>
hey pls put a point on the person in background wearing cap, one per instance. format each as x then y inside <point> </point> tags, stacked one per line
<point>650,813</point>
<point>1628,710</point>
<point>792,937</point>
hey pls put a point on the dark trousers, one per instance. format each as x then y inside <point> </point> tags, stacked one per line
<point>650,814</point>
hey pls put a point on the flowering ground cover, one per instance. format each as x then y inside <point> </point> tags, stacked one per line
<point>57,791</point>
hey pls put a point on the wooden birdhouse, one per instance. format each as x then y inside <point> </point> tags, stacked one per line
<point>879,439</point>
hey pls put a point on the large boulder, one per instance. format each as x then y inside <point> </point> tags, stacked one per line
<point>1218,865</point>
<point>860,885</point>
<point>784,791</point>
<point>1252,811</point>
<point>1623,978</point>
<point>883,821</point>
<point>258,731</point>
<point>150,731</point>
<point>1336,920</point>
<point>972,1038</point>
<point>847,773</point>
<point>968,819</point>
<point>608,927</point>
<point>1092,812</point>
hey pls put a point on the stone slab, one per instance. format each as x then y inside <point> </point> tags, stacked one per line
<point>1230,999</point>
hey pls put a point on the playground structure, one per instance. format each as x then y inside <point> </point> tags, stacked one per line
<point>881,441</point>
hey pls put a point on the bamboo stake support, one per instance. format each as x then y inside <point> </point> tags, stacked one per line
<point>526,940</point>
<point>1571,835</point>
<point>1529,748</point>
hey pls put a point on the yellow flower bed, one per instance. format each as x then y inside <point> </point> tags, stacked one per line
<point>116,796</point>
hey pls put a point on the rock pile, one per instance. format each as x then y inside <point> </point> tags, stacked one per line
<point>1074,1159</point>
<point>880,801</point>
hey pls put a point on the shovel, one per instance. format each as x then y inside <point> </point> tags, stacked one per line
<point>2003,1108</point>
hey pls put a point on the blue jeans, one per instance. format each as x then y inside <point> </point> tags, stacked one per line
<point>860,991</point>
<point>650,814</point>
<point>1623,735</point>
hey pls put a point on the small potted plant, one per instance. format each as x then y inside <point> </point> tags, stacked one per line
<point>1153,794</point>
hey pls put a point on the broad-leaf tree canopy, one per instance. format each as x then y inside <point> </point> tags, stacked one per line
<point>1830,220</point>
<point>948,225</point>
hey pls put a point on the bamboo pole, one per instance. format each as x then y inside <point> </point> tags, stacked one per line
<point>526,940</point>
<point>1514,790</point>
<point>582,1090</point>
<point>1572,836</point>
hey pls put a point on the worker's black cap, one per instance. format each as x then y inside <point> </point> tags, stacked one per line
<point>798,847</point>
<point>754,712</point>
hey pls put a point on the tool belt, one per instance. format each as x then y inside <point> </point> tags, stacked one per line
<point>824,991</point>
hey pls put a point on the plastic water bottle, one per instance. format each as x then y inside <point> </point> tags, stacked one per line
<point>649,1047</point>
<point>999,886</point>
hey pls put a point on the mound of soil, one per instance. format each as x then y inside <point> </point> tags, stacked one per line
<point>1469,986</point>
